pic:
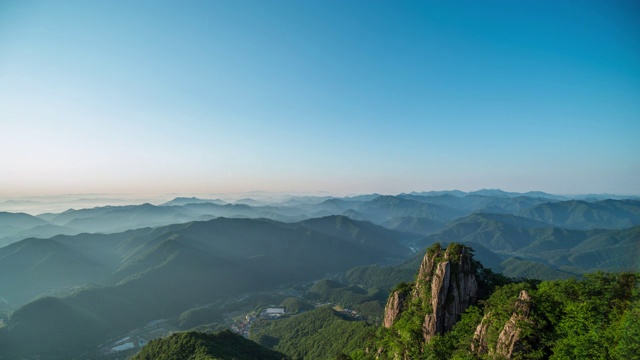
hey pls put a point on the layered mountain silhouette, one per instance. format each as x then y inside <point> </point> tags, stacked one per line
<point>180,201</point>
<point>95,273</point>
<point>574,251</point>
<point>415,213</point>
<point>605,214</point>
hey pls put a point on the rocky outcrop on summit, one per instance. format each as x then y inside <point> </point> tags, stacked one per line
<point>394,307</point>
<point>508,342</point>
<point>445,286</point>
<point>506,318</point>
<point>509,338</point>
<point>480,342</point>
<point>453,289</point>
<point>425,274</point>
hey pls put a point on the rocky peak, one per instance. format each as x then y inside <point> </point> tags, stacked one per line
<point>425,274</point>
<point>509,339</point>
<point>453,289</point>
<point>445,286</point>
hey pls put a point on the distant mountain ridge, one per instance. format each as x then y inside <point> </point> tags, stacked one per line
<point>437,208</point>
<point>580,214</point>
<point>17,226</point>
<point>563,249</point>
<point>491,192</point>
<point>179,201</point>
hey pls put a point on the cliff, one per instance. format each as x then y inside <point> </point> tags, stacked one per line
<point>445,286</point>
<point>508,343</point>
<point>453,289</point>
<point>394,307</point>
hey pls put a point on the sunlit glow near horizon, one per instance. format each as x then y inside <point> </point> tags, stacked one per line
<point>344,97</point>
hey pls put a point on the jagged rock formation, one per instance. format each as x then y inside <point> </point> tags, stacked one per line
<point>509,338</point>
<point>394,307</point>
<point>508,342</point>
<point>480,345</point>
<point>425,274</point>
<point>446,285</point>
<point>453,289</point>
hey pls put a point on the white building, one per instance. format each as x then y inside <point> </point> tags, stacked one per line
<point>275,311</point>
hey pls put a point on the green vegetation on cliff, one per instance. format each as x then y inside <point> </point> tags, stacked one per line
<point>595,317</point>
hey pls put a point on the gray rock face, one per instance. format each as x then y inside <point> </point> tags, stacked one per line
<point>394,308</point>
<point>453,289</point>
<point>434,321</point>
<point>509,338</point>
<point>423,280</point>
<point>508,342</point>
<point>479,345</point>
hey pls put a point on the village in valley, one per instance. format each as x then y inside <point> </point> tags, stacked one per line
<point>239,320</point>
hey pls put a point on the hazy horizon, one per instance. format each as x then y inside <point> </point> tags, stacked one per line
<point>39,204</point>
<point>345,97</point>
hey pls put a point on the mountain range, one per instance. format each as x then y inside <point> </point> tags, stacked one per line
<point>95,273</point>
<point>139,275</point>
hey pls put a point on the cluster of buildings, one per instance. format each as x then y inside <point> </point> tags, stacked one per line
<point>243,326</point>
<point>350,312</point>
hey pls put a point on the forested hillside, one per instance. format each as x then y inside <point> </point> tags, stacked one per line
<point>457,309</point>
<point>224,345</point>
<point>445,314</point>
<point>319,334</point>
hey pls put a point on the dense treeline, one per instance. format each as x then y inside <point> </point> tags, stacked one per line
<point>369,304</point>
<point>200,346</point>
<point>319,334</point>
<point>591,317</point>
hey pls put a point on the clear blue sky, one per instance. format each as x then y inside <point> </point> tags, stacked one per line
<point>339,96</point>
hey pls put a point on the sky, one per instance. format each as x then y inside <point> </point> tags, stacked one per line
<point>151,97</point>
